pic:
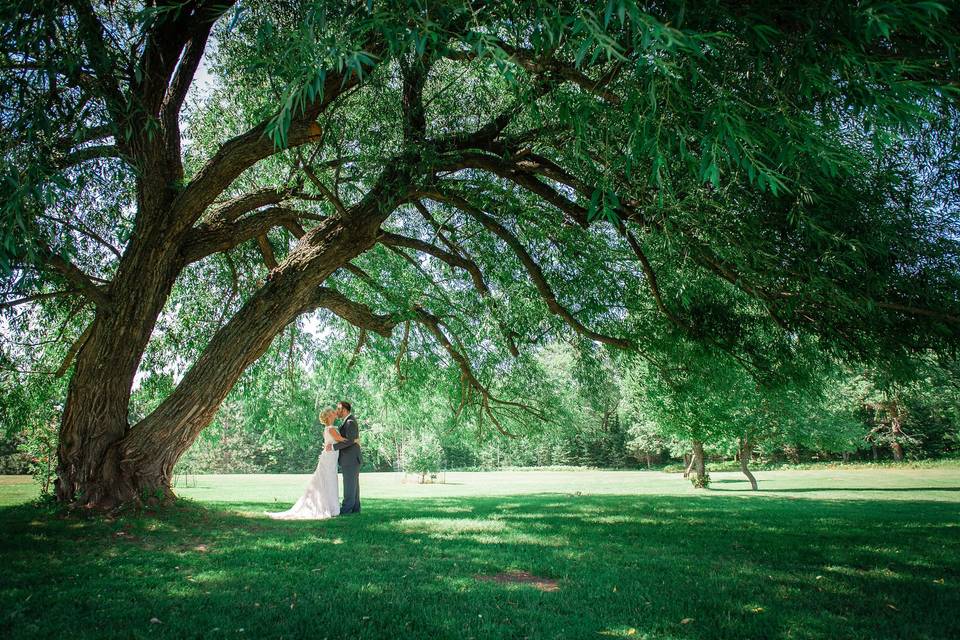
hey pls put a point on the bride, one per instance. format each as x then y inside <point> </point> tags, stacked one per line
<point>321,499</point>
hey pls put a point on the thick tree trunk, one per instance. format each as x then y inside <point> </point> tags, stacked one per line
<point>102,460</point>
<point>107,463</point>
<point>98,397</point>
<point>745,454</point>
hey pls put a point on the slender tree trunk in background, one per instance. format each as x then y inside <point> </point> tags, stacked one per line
<point>876,452</point>
<point>698,465</point>
<point>745,454</point>
<point>846,456</point>
<point>897,450</point>
<point>896,417</point>
<point>687,464</point>
<point>793,453</point>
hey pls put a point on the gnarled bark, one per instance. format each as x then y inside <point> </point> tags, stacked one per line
<point>98,397</point>
<point>123,464</point>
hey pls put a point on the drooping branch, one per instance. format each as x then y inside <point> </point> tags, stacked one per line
<point>458,261</point>
<point>519,176</point>
<point>432,323</point>
<point>524,168</point>
<point>435,326</point>
<point>533,269</point>
<point>650,275</point>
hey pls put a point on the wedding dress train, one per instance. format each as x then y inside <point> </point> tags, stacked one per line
<point>321,498</point>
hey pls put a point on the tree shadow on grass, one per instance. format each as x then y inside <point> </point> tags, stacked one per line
<point>732,567</point>
<point>843,489</point>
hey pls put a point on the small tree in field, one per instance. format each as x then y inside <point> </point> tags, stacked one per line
<point>424,456</point>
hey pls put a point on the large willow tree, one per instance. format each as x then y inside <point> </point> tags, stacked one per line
<point>468,177</point>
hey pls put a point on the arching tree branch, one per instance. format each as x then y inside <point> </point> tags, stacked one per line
<point>214,238</point>
<point>243,151</point>
<point>519,176</point>
<point>84,154</point>
<point>232,209</point>
<point>458,261</point>
<point>357,314</point>
<point>533,269</point>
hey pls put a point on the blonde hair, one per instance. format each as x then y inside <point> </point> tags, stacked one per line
<point>326,411</point>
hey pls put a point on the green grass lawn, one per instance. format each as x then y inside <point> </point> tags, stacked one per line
<point>814,554</point>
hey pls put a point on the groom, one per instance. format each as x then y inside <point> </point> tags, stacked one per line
<point>349,458</point>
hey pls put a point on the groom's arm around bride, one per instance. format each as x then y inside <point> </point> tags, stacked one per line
<point>350,433</point>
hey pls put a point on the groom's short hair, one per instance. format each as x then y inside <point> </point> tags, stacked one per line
<point>345,405</point>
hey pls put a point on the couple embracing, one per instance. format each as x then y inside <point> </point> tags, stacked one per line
<point>319,500</point>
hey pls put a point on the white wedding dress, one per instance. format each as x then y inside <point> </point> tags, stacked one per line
<point>321,498</point>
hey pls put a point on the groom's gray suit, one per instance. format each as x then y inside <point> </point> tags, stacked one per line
<point>350,464</point>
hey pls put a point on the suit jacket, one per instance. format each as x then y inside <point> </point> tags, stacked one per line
<point>350,448</point>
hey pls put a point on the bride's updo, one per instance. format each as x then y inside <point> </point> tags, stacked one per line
<point>325,415</point>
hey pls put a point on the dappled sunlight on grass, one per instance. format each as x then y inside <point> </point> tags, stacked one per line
<point>446,525</point>
<point>732,567</point>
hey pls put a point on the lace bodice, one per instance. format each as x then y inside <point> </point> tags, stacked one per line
<point>327,438</point>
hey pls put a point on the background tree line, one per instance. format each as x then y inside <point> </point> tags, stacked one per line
<point>598,410</point>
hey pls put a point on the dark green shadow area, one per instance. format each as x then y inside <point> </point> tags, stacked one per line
<point>879,490</point>
<point>737,567</point>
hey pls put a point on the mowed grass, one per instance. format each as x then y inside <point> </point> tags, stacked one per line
<point>815,554</point>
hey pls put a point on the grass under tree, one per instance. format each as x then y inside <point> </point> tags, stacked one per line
<point>814,554</point>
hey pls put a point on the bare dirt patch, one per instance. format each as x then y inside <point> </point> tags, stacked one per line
<point>522,577</point>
